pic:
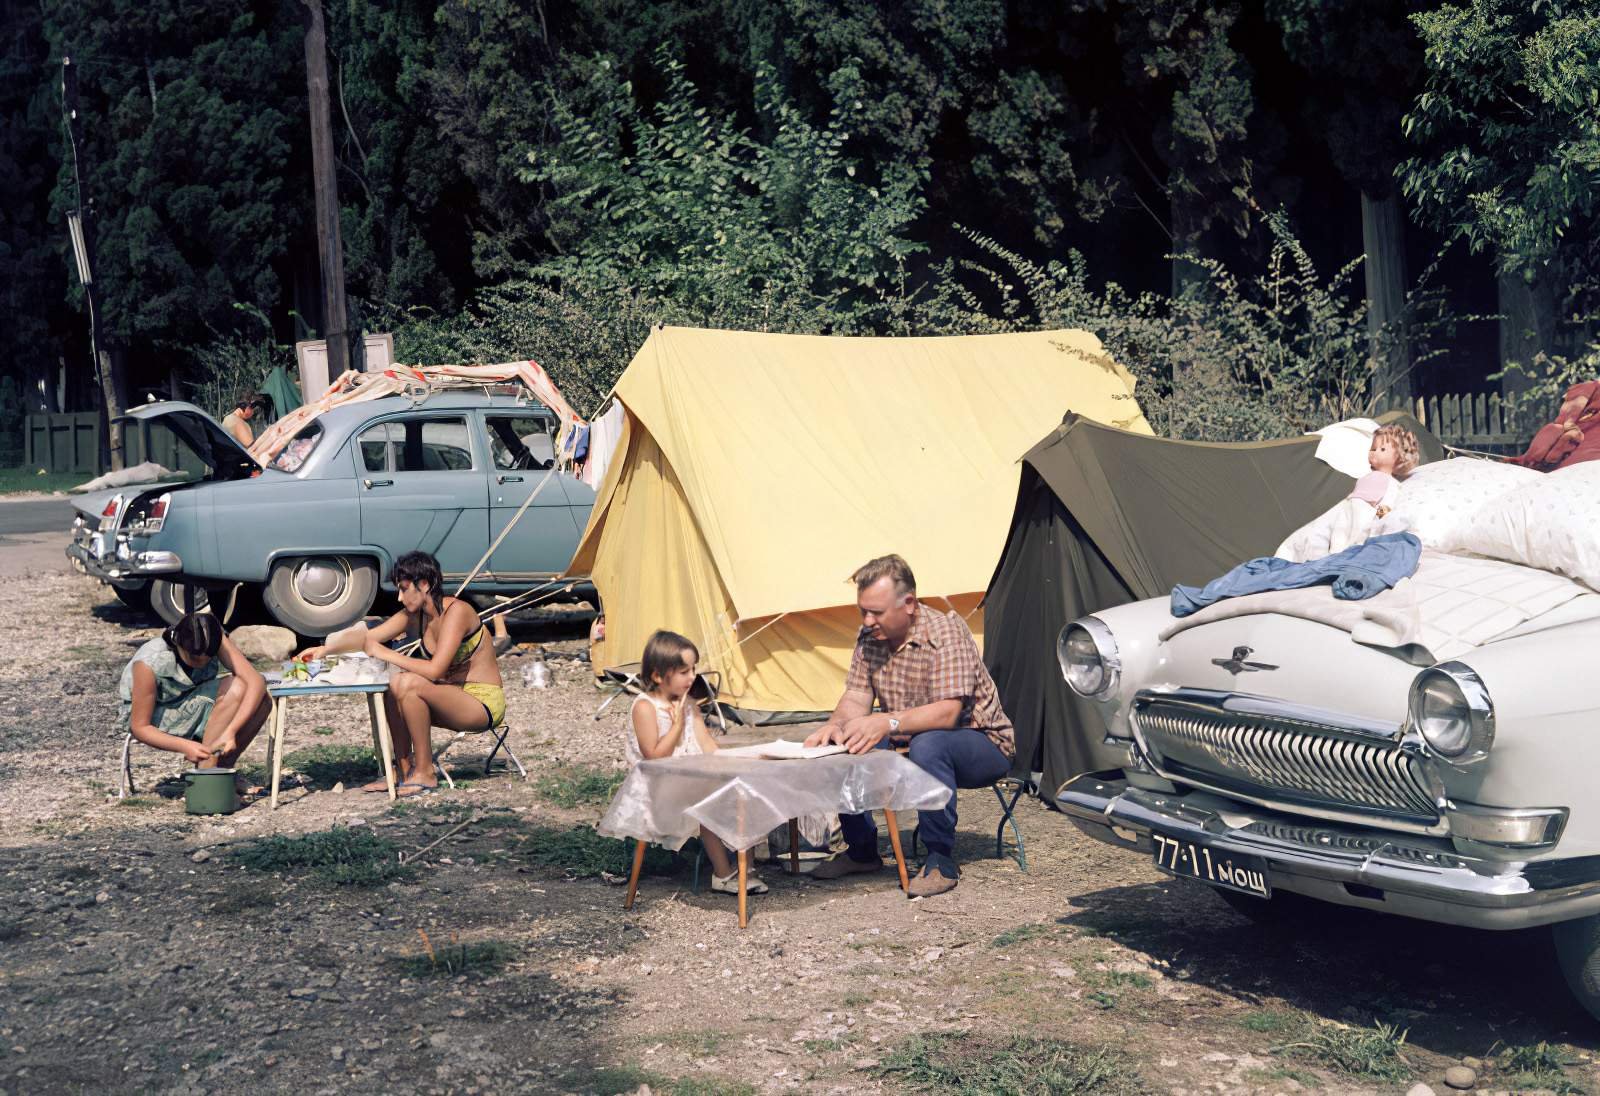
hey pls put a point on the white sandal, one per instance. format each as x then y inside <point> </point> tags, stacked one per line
<point>729,884</point>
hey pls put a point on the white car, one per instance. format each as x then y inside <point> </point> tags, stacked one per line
<point>1289,746</point>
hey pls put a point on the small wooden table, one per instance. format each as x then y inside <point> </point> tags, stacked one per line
<point>280,693</point>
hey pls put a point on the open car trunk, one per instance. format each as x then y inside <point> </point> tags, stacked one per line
<point>204,438</point>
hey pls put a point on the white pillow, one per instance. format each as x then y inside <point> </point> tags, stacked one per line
<point>1440,501</point>
<point>1552,524</point>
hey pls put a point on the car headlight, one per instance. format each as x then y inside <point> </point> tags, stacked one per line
<point>1087,652</point>
<point>1450,708</point>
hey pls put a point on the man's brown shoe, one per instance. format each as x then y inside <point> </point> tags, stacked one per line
<point>931,881</point>
<point>840,864</point>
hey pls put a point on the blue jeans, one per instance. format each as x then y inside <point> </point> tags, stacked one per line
<point>957,758</point>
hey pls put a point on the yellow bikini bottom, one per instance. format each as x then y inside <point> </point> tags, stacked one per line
<point>492,697</point>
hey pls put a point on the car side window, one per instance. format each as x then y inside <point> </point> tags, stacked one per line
<point>417,445</point>
<point>374,445</point>
<point>521,441</point>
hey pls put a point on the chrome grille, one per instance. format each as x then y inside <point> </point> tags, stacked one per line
<point>1290,756</point>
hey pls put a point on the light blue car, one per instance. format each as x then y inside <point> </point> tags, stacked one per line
<point>318,528</point>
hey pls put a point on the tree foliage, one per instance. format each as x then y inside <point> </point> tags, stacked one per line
<point>1509,125</point>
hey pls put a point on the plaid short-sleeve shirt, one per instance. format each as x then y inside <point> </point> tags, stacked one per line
<point>939,661</point>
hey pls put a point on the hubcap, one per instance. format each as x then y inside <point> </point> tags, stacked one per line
<point>322,582</point>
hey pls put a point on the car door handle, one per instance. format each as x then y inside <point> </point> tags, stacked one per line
<point>369,484</point>
<point>508,479</point>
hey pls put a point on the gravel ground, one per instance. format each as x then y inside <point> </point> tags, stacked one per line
<point>138,954</point>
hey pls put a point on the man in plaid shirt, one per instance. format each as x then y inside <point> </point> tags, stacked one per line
<point>921,669</point>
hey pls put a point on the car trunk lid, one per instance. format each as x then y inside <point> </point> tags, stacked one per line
<point>224,458</point>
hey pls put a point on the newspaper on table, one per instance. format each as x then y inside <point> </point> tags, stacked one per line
<point>782,749</point>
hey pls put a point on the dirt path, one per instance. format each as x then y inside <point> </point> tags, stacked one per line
<point>139,952</point>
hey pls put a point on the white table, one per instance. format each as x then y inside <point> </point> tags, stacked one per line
<point>280,692</point>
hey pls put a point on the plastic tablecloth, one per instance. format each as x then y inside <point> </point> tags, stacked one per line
<point>741,799</point>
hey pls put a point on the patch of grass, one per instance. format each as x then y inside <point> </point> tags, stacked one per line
<point>139,802</point>
<point>1271,1020</point>
<point>1537,1065</point>
<point>1102,999</point>
<point>448,960</point>
<point>344,856</point>
<point>324,731</point>
<point>330,765</point>
<point>1122,978</point>
<point>1284,1073</point>
<point>971,1065</point>
<point>857,1000</point>
<point>17,480</point>
<point>581,853</point>
<point>86,650</point>
<point>579,785</point>
<point>616,1080</point>
<point>701,1044</point>
<point>1370,1052</point>
<point>1021,934</point>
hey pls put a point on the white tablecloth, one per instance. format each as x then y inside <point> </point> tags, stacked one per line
<point>741,799</point>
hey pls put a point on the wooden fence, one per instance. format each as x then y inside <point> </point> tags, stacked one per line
<point>1479,421</point>
<point>70,442</point>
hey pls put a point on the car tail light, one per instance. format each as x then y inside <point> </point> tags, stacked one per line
<point>157,517</point>
<point>108,516</point>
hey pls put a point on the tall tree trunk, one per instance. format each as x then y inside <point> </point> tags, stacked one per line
<point>330,247</point>
<point>1383,237</point>
<point>1527,327</point>
<point>1188,227</point>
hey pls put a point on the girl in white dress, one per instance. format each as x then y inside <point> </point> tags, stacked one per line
<point>666,723</point>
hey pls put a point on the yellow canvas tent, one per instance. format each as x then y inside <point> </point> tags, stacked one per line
<point>755,472</point>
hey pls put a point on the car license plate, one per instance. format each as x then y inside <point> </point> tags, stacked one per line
<point>1192,859</point>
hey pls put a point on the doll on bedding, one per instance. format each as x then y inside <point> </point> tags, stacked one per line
<point>1365,512</point>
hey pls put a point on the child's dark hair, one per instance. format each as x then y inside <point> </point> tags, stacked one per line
<point>196,635</point>
<point>663,653</point>
<point>258,400</point>
<point>417,568</point>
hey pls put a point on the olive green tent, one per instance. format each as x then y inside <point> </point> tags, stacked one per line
<point>1105,517</point>
<point>284,392</point>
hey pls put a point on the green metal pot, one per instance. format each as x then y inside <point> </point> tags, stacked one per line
<point>210,791</point>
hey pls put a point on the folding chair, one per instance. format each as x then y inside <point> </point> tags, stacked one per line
<point>705,690</point>
<point>498,732</point>
<point>1015,786</point>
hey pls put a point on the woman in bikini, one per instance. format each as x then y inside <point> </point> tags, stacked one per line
<point>454,682</point>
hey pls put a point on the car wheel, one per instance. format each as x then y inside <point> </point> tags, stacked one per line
<point>1578,951</point>
<point>168,600</point>
<point>315,595</point>
<point>137,598</point>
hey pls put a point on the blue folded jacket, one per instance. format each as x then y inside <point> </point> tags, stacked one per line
<point>1358,572</point>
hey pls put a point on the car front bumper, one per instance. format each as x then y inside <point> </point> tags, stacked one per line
<point>1396,873</point>
<point>125,568</point>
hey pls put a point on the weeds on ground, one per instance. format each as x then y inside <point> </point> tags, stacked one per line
<point>615,1080</point>
<point>1302,1077</point>
<point>581,852</point>
<point>139,802</point>
<point>579,785</point>
<point>1370,1052</point>
<point>325,732</point>
<point>344,856</point>
<point>1536,1065</point>
<point>1272,1021</point>
<point>968,1065</point>
<point>1021,934</point>
<point>330,765</point>
<point>457,957</point>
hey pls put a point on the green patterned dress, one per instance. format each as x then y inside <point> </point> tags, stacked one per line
<point>184,696</point>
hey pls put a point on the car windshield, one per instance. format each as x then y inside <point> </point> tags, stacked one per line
<point>299,448</point>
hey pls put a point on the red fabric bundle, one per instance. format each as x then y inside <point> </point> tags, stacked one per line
<point>1573,437</point>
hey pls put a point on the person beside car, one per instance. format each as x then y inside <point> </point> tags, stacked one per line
<point>454,683</point>
<point>173,696</point>
<point>934,696</point>
<point>237,422</point>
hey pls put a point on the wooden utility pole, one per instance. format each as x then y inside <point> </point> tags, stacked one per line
<point>83,252</point>
<point>330,249</point>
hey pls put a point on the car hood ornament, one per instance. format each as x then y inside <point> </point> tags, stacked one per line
<point>1238,665</point>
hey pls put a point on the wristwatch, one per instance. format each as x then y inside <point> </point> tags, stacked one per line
<point>894,724</point>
